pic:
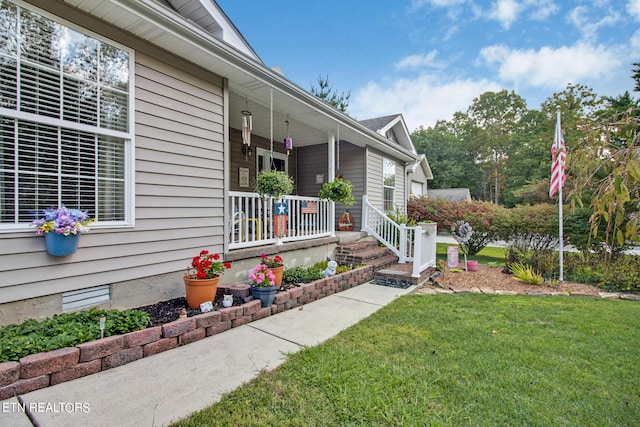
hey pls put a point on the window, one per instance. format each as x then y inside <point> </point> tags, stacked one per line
<point>263,158</point>
<point>65,114</point>
<point>389,183</point>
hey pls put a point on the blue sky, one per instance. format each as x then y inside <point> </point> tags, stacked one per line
<point>428,59</point>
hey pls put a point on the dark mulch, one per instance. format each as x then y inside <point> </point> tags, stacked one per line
<point>168,311</point>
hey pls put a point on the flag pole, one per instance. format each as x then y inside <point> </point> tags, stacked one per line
<point>560,180</point>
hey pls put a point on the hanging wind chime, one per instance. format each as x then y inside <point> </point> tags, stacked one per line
<point>247,127</point>
<point>288,142</point>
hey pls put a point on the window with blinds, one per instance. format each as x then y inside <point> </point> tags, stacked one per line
<point>64,119</point>
<point>389,184</point>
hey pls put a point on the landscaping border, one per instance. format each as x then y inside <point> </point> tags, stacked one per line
<point>42,370</point>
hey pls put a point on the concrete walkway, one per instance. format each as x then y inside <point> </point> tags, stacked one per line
<point>157,390</point>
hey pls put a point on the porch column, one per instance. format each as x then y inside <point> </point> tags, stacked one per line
<point>331,174</point>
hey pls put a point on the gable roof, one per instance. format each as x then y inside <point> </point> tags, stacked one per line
<point>210,17</point>
<point>392,127</point>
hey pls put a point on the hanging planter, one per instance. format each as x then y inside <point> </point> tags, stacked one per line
<point>338,190</point>
<point>61,228</point>
<point>61,245</point>
<point>274,184</point>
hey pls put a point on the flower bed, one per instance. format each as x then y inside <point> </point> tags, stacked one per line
<point>44,369</point>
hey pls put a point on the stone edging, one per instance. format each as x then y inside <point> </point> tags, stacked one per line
<point>41,370</point>
<point>490,291</point>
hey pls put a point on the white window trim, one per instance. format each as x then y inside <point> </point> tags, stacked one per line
<point>129,137</point>
<point>267,154</point>
<point>384,187</point>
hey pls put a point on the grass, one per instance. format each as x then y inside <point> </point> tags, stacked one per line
<point>444,360</point>
<point>485,256</point>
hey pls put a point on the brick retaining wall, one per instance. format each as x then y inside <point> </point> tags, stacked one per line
<point>41,370</point>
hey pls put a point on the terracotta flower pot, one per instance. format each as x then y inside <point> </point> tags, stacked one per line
<point>200,290</point>
<point>277,271</point>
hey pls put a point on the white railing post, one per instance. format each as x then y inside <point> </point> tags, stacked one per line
<point>417,252</point>
<point>332,218</point>
<point>364,226</point>
<point>403,244</point>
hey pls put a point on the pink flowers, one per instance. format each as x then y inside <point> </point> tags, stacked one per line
<point>207,266</point>
<point>262,277</point>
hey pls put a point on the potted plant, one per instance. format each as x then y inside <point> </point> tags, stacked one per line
<point>263,286</point>
<point>276,265</point>
<point>273,183</point>
<point>338,190</point>
<point>61,228</point>
<point>201,278</point>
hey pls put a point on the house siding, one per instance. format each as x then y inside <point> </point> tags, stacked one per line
<point>313,161</point>
<point>375,180</point>
<point>179,192</point>
<point>238,159</point>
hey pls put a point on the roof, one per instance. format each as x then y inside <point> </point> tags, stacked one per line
<point>248,79</point>
<point>452,194</point>
<point>392,127</point>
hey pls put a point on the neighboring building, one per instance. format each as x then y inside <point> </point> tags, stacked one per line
<point>133,110</point>
<point>451,194</point>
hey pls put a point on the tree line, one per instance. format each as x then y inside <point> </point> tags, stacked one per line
<point>500,149</point>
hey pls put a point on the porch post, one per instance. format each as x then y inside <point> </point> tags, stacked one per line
<point>331,174</point>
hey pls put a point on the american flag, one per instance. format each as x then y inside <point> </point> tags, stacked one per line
<point>308,207</point>
<point>559,157</point>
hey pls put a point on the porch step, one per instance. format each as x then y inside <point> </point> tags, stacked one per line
<point>364,252</point>
<point>399,276</point>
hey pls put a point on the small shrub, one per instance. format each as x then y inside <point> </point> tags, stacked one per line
<point>526,274</point>
<point>66,330</point>
<point>297,275</point>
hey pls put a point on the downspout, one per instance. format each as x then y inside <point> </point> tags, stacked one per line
<point>331,172</point>
<point>226,163</point>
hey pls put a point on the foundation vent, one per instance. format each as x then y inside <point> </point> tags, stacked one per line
<point>85,297</point>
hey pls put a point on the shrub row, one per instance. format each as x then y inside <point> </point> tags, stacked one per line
<point>525,227</point>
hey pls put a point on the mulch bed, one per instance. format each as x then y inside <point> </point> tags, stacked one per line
<point>169,311</point>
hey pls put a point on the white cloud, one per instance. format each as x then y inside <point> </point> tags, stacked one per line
<point>552,68</point>
<point>422,101</point>
<point>419,61</point>
<point>589,26</point>
<point>505,12</point>
<point>543,9</point>
<point>633,7</point>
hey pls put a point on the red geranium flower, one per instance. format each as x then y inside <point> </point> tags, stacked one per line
<point>206,266</point>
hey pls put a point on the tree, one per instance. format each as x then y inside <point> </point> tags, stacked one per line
<point>497,116</point>
<point>636,76</point>
<point>452,163</point>
<point>326,93</point>
<point>608,162</point>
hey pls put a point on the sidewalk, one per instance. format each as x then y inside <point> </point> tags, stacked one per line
<point>157,390</point>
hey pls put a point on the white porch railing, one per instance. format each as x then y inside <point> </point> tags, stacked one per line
<point>251,220</point>
<point>410,244</point>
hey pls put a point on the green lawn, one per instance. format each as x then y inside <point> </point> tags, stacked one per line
<point>488,254</point>
<point>446,360</point>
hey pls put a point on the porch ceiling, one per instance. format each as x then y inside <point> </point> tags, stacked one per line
<point>311,120</point>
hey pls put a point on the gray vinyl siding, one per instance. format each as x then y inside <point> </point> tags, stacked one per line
<point>374,178</point>
<point>239,160</point>
<point>313,160</point>
<point>179,193</point>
